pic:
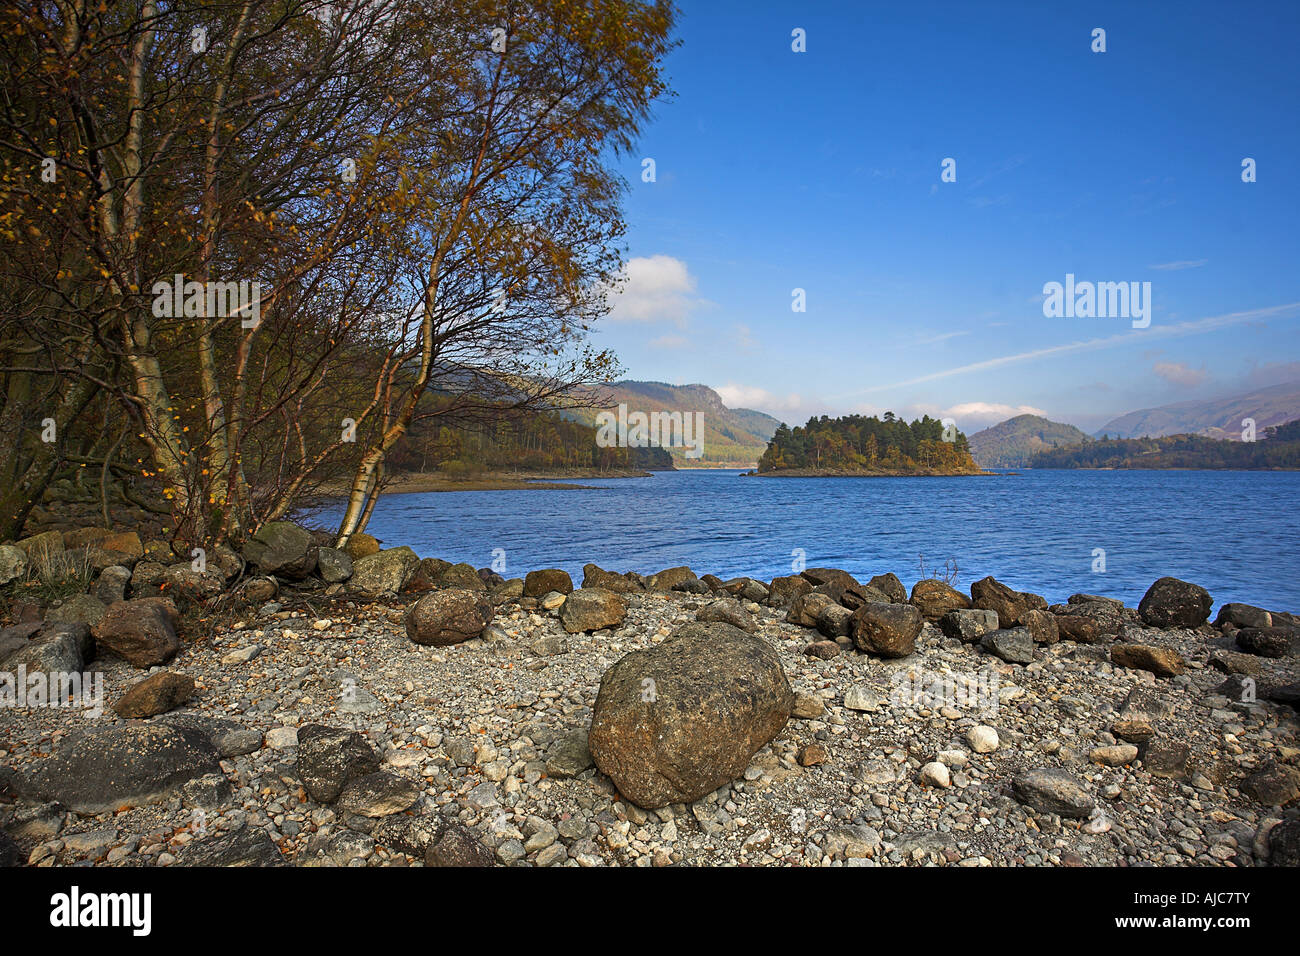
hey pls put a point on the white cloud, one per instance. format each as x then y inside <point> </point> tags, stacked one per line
<point>1178,373</point>
<point>655,289</point>
<point>1180,265</point>
<point>972,416</point>
<point>792,408</point>
<point>668,342</point>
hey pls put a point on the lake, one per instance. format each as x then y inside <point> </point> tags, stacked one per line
<point>1036,531</point>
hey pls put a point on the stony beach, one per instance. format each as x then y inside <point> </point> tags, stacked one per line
<point>302,705</point>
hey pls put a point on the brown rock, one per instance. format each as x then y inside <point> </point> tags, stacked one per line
<point>141,631</point>
<point>155,695</point>
<point>450,616</point>
<point>1161,661</point>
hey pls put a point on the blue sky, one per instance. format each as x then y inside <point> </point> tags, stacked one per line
<point>820,170</point>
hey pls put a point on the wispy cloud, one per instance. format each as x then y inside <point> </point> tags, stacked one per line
<point>943,337</point>
<point>1180,265</point>
<point>1132,337</point>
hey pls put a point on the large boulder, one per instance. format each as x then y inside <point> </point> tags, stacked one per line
<point>676,721</point>
<point>594,576</point>
<point>1015,645</point>
<point>282,548</point>
<point>126,542</point>
<point>111,585</point>
<point>968,625</point>
<point>993,595</point>
<point>856,595</point>
<point>461,575</point>
<point>40,548</point>
<point>13,564</point>
<point>58,648</point>
<point>450,616</point>
<point>1268,641</point>
<point>103,769</point>
<point>672,579</point>
<point>592,609</point>
<point>785,590</point>
<point>1042,625</point>
<point>933,598</point>
<point>1243,615</point>
<point>141,631</point>
<point>836,576</point>
<point>889,630</point>
<point>384,572</point>
<point>1161,661</point>
<point>546,580</point>
<point>334,565</point>
<point>891,586</point>
<point>361,545</point>
<point>1174,603</point>
<point>807,608</point>
<point>330,759</point>
<point>244,846</point>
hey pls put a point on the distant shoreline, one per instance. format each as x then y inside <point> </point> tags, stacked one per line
<point>830,473</point>
<point>492,481</point>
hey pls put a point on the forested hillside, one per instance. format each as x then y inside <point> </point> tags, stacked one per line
<point>1279,448</point>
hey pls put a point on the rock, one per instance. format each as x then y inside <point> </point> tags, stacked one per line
<point>256,591</point>
<point>1273,786</point>
<point>1161,661</point>
<point>812,755</point>
<point>889,630</point>
<point>672,579</point>
<point>242,655</point>
<point>228,737</point>
<point>861,697</point>
<point>569,755</point>
<point>982,739</point>
<point>934,598</point>
<point>463,576</point>
<point>282,738</point>
<point>127,542</point>
<point>934,774</point>
<point>361,545</point>
<point>1272,642</point>
<point>1165,759</point>
<point>56,649</point>
<point>246,846</point>
<point>805,609</point>
<point>856,595</point>
<point>820,576</point>
<point>1233,662</point>
<point>746,589</point>
<point>457,845</point>
<point>78,609</point>
<point>1076,627</point>
<point>330,759</point>
<point>891,586</point>
<point>384,572</point>
<point>592,609</point>
<point>993,595</point>
<point>549,645</point>
<point>1042,626</point>
<point>442,618</point>
<point>155,695</point>
<point>537,583</point>
<point>806,706</point>
<point>1174,603</point>
<point>111,585</point>
<point>13,564</point>
<point>1284,844</point>
<point>1116,755</point>
<point>282,548</point>
<point>678,720</point>
<point>334,565</point>
<point>727,611</point>
<point>197,586</point>
<point>40,548</point>
<point>782,591</point>
<point>1014,645</point>
<point>141,631</point>
<point>1136,730</point>
<point>1052,791</point>
<point>338,848</point>
<point>106,768</point>
<point>835,620</point>
<point>1243,615</point>
<point>595,577</point>
<point>968,625</point>
<point>823,650</point>
<point>854,842</point>
<point>378,794</point>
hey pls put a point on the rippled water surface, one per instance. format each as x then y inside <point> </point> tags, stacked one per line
<point>1231,532</point>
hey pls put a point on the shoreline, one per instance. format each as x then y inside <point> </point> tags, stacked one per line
<point>492,481</point>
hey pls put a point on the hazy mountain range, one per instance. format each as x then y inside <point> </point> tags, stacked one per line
<point>1214,418</point>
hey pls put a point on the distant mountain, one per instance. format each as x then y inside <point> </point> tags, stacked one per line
<point>1215,418</point>
<point>731,436</point>
<point>1012,443</point>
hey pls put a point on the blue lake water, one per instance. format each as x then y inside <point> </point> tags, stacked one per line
<point>1231,532</point>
